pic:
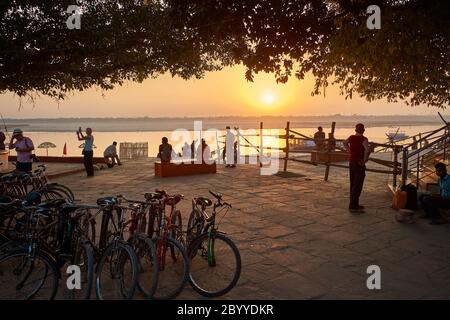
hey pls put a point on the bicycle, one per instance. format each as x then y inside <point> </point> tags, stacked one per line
<point>143,246</point>
<point>18,184</point>
<point>118,262</point>
<point>214,259</point>
<point>52,236</point>
<point>166,230</point>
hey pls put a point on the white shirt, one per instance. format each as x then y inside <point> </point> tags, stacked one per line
<point>110,151</point>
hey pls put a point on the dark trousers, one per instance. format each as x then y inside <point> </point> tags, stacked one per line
<point>357,175</point>
<point>88,164</point>
<point>432,203</point>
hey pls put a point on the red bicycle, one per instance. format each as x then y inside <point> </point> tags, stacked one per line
<point>165,226</point>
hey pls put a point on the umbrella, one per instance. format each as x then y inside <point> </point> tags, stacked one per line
<point>46,145</point>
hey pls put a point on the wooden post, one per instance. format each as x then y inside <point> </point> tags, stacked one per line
<point>445,143</point>
<point>404,167</point>
<point>286,151</point>
<point>330,145</point>
<point>261,147</point>
<point>238,149</point>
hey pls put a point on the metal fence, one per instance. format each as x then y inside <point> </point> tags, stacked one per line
<point>133,150</point>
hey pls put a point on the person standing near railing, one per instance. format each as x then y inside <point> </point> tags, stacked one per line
<point>88,150</point>
<point>358,146</point>
<point>229,150</point>
<point>2,141</point>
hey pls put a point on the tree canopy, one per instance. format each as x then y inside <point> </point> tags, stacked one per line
<point>407,59</point>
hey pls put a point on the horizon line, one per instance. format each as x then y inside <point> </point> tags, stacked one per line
<point>228,116</point>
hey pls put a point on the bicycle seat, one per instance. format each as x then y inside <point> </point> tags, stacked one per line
<point>162,192</point>
<point>171,201</point>
<point>8,177</point>
<point>32,198</point>
<point>153,196</point>
<point>106,201</point>
<point>204,202</point>
<point>5,199</point>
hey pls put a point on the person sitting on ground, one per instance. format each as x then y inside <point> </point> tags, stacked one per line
<point>203,153</point>
<point>24,147</point>
<point>319,139</point>
<point>2,141</point>
<point>432,203</point>
<point>186,151</point>
<point>111,156</point>
<point>165,151</point>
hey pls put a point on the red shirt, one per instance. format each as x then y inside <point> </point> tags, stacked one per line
<point>356,147</point>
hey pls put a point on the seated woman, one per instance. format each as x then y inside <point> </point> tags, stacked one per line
<point>204,153</point>
<point>165,151</point>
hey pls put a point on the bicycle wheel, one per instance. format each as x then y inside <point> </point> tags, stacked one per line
<point>66,195</point>
<point>195,226</point>
<point>64,188</point>
<point>83,258</point>
<point>148,269</point>
<point>109,227</point>
<point>173,274</point>
<point>51,194</point>
<point>154,221</point>
<point>177,234</point>
<point>25,277</point>
<point>117,273</point>
<point>215,265</point>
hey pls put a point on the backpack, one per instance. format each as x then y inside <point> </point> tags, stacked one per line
<point>399,200</point>
<point>411,200</point>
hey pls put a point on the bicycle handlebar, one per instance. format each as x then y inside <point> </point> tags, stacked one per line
<point>129,200</point>
<point>216,195</point>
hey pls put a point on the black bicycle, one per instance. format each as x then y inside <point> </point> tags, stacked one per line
<point>31,260</point>
<point>214,259</point>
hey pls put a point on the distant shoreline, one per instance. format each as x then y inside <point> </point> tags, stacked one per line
<point>168,124</point>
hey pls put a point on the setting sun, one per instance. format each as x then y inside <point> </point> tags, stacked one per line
<point>268,97</point>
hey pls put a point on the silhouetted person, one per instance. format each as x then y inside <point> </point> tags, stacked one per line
<point>414,143</point>
<point>88,150</point>
<point>319,139</point>
<point>358,146</point>
<point>203,153</point>
<point>2,141</point>
<point>165,151</point>
<point>229,151</point>
<point>193,151</point>
<point>187,152</point>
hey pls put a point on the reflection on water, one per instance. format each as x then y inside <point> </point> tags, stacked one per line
<point>177,138</point>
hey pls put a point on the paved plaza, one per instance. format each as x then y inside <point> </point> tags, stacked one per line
<point>295,235</point>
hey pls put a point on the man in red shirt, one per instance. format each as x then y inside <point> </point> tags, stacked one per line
<point>358,146</point>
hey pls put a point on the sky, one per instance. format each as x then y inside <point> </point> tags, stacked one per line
<point>220,93</point>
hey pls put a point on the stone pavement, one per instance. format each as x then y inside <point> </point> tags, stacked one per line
<point>296,237</point>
